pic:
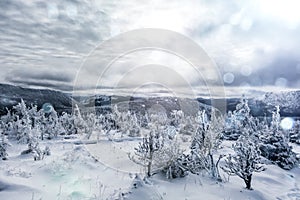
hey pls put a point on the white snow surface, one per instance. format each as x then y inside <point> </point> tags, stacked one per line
<point>102,170</point>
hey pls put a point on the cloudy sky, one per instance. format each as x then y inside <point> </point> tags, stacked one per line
<point>46,44</point>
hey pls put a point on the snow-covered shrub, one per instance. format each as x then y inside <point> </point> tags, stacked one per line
<point>90,124</point>
<point>176,118</point>
<point>47,151</point>
<point>204,144</point>
<point>36,151</point>
<point>67,122</point>
<point>157,151</point>
<point>274,144</point>
<point>188,127</point>
<point>146,150</point>
<point>245,161</point>
<point>79,122</point>
<point>3,147</point>
<point>178,168</point>
<point>295,133</point>
<point>8,125</point>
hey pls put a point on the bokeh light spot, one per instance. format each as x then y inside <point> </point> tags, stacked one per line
<point>228,77</point>
<point>287,123</point>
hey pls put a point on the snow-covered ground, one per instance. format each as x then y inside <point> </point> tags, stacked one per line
<point>102,170</point>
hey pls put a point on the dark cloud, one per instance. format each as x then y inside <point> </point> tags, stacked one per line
<point>44,43</point>
<point>39,75</point>
<point>44,84</point>
<point>47,41</point>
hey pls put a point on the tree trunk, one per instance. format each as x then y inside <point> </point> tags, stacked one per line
<point>213,167</point>
<point>149,169</point>
<point>248,181</point>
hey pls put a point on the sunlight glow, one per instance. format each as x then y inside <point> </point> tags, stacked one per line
<point>162,19</point>
<point>283,10</point>
<point>287,123</point>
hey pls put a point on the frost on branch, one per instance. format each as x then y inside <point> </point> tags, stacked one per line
<point>146,150</point>
<point>205,143</point>
<point>245,161</point>
<point>157,151</point>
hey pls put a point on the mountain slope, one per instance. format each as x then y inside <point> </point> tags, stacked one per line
<point>10,95</point>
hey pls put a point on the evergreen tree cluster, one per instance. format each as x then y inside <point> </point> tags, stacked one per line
<point>162,136</point>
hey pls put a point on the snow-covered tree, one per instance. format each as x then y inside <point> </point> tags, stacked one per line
<point>51,125</point>
<point>204,145</point>
<point>295,133</point>
<point>23,123</point>
<point>189,126</point>
<point>3,146</point>
<point>246,160</point>
<point>176,118</point>
<point>274,144</point>
<point>127,123</point>
<point>179,167</point>
<point>238,119</point>
<point>79,122</point>
<point>67,122</point>
<point>157,152</point>
<point>146,150</point>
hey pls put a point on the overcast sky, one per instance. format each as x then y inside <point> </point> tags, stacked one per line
<point>254,44</point>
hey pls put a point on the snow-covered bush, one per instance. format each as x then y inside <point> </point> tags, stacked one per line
<point>204,144</point>
<point>188,127</point>
<point>178,168</point>
<point>176,118</point>
<point>146,150</point>
<point>3,147</point>
<point>295,133</point>
<point>246,159</point>
<point>127,123</point>
<point>90,124</point>
<point>157,152</point>
<point>67,122</point>
<point>79,122</point>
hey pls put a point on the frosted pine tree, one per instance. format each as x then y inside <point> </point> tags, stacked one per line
<point>275,144</point>
<point>134,129</point>
<point>23,123</point>
<point>238,119</point>
<point>246,160</point>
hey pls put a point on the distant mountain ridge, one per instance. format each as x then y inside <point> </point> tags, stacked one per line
<point>289,102</point>
<point>10,95</point>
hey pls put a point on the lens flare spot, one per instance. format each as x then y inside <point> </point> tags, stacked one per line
<point>228,78</point>
<point>287,123</point>
<point>281,82</point>
<point>47,108</point>
<point>246,71</point>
